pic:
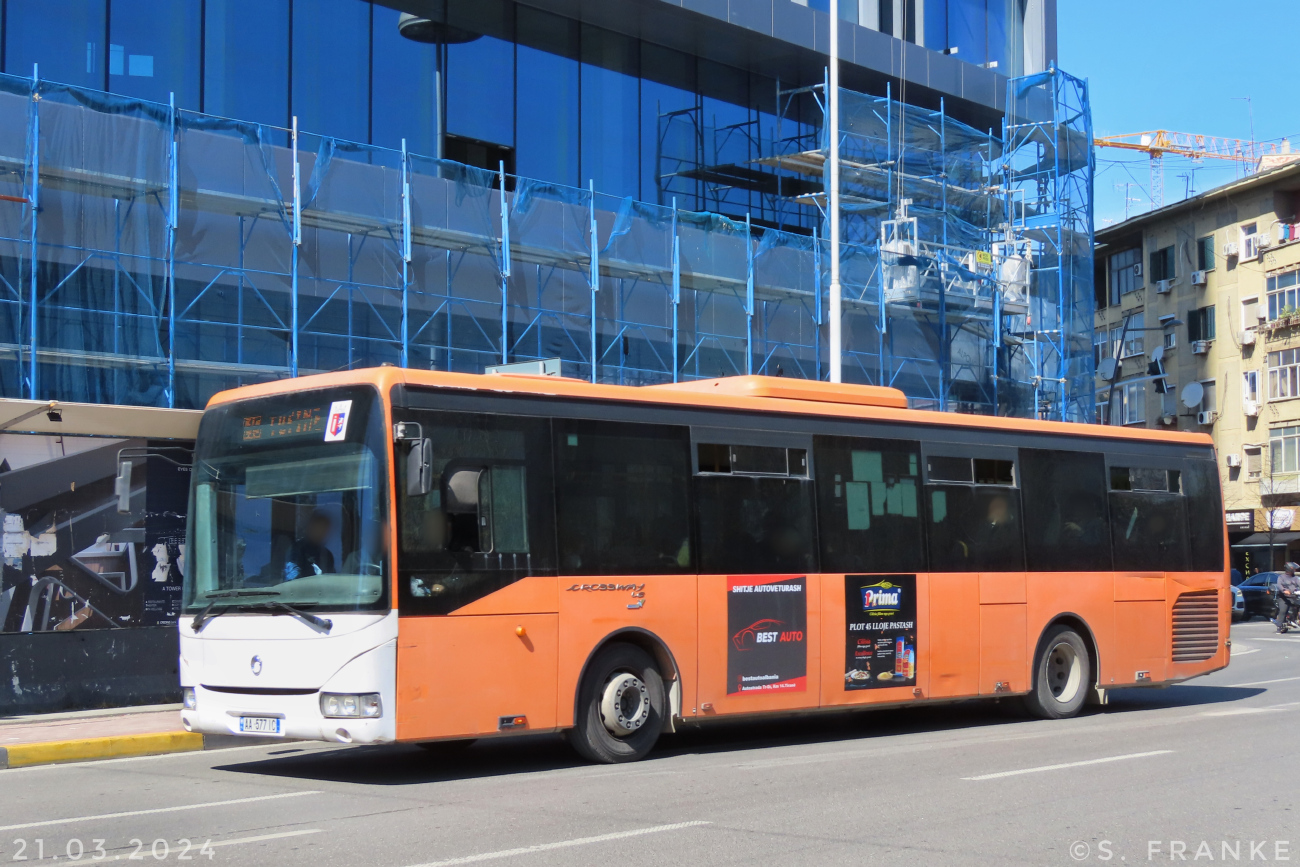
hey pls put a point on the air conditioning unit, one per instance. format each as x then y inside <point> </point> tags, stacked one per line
<point>1205,417</point>
<point>1199,278</point>
<point>1248,337</point>
<point>1137,269</point>
<point>1200,347</point>
<point>1230,249</point>
<point>1264,239</point>
<point>1250,408</point>
<point>1233,461</point>
<point>1163,286</point>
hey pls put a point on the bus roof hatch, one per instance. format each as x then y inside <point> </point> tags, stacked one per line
<point>794,389</point>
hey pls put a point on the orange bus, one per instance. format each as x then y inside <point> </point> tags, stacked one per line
<point>394,555</point>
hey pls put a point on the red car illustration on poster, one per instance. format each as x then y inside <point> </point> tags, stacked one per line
<point>759,632</point>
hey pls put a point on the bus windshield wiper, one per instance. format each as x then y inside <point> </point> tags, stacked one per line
<point>207,614</point>
<point>320,624</point>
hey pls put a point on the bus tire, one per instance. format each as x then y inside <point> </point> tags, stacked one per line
<point>621,706</point>
<point>1062,675</point>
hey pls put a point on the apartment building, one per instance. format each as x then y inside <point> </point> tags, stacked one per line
<point>1198,329</point>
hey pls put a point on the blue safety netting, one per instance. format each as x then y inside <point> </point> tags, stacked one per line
<point>171,254</point>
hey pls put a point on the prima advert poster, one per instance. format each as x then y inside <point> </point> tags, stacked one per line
<point>880,631</point>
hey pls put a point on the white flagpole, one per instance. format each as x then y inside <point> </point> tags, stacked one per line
<point>833,200</point>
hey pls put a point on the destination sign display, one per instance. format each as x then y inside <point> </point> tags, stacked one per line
<point>287,424</point>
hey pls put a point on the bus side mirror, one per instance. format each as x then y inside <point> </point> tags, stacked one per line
<point>122,487</point>
<point>419,468</point>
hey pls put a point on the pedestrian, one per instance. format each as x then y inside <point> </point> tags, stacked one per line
<point>1288,595</point>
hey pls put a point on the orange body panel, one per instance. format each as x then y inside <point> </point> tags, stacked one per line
<point>1140,587</point>
<point>1004,649</point>
<point>526,596</point>
<point>1145,640</point>
<point>954,634</point>
<point>457,676</point>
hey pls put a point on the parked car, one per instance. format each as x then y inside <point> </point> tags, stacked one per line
<point>1238,604</point>
<point>1261,595</point>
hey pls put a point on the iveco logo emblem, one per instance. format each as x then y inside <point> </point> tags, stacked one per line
<point>256,665</point>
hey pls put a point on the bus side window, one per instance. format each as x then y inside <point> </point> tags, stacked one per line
<point>868,504</point>
<point>756,514</point>
<point>1067,528</point>
<point>1204,515</point>
<point>489,517</point>
<point>974,526</point>
<point>622,498</point>
<point>1148,519</point>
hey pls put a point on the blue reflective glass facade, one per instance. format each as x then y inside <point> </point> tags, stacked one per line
<point>653,226</point>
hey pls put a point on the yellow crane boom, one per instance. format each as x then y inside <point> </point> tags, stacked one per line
<point>1157,143</point>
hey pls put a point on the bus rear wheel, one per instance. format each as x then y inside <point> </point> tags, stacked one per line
<point>621,706</point>
<point>1062,675</point>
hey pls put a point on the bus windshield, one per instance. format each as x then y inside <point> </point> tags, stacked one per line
<point>288,504</point>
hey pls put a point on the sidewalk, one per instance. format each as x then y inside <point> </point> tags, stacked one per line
<point>102,734</point>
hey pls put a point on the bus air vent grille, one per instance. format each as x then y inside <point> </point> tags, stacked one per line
<point>1196,626</point>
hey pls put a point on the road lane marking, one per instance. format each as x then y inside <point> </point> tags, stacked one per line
<point>260,837</point>
<point>564,844</point>
<point>47,822</point>
<point>1001,774</point>
<point>1265,682</point>
<point>1242,651</point>
<point>1242,711</point>
<point>1287,640</point>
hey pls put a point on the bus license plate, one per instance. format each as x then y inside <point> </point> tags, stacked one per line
<point>262,725</point>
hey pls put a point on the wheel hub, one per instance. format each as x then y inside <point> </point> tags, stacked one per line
<point>624,704</point>
<point>1064,672</point>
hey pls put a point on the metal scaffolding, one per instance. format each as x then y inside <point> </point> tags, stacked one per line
<point>153,256</point>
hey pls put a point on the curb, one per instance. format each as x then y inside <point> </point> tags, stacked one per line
<point>122,746</point>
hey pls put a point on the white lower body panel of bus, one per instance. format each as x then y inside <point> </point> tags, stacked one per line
<point>261,676</point>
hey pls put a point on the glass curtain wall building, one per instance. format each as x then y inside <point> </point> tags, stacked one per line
<point>495,181</point>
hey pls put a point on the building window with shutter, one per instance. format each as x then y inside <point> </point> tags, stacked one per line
<point>1254,461</point>
<point>1205,253</point>
<point>1162,264</point>
<point>1200,324</point>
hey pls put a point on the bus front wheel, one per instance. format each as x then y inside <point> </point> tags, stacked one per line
<point>1062,675</point>
<point>621,706</point>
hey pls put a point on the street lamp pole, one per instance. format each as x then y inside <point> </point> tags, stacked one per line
<point>833,198</point>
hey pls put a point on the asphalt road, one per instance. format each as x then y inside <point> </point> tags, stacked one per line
<point>1149,779</point>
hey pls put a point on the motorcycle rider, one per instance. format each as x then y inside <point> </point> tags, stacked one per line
<point>1288,596</point>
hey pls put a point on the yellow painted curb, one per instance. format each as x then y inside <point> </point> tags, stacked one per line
<point>21,755</point>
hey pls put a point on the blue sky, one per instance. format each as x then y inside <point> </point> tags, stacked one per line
<point>1166,64</point>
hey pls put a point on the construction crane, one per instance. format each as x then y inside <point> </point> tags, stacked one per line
<point>1157,143</point>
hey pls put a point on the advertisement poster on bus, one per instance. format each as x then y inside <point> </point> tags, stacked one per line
<point>880,631</point>
<point>767,619</point>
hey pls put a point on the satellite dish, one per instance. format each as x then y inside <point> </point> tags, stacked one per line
<point>1107,368</point>
<point>1192,394</point>
<point>1158,353</point>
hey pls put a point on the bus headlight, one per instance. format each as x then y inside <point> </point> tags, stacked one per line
<point>345,706</point>
<point>187,698</point>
